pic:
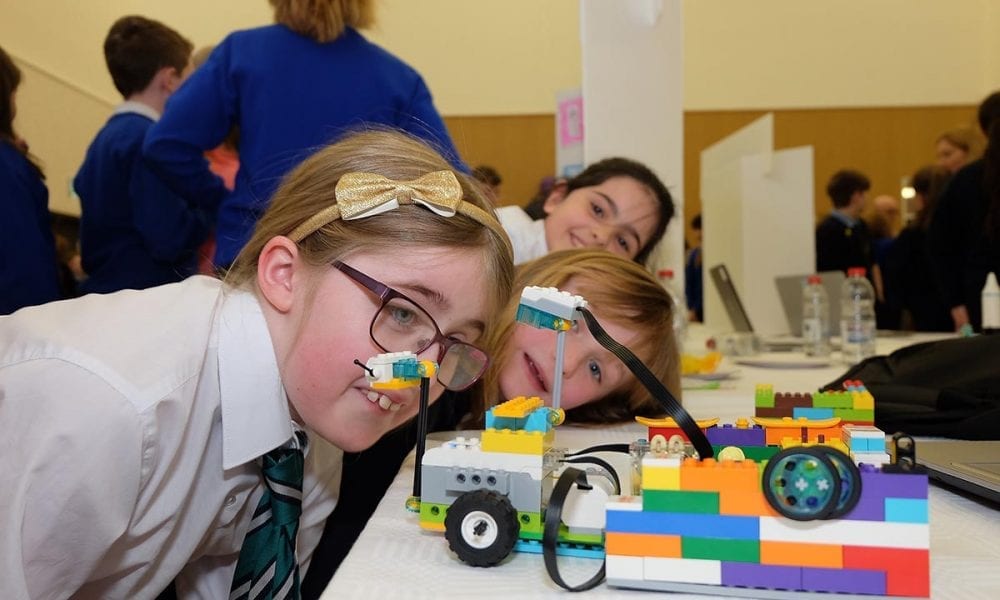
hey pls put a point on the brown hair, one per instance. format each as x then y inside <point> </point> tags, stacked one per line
<point>323,20</point>
<point>621,291</point>
<point>10,79</point>
<point>136,48</point>
<point>929,182</point>
<point>310,188</point>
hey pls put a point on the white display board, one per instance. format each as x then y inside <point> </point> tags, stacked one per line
<point>632,78</point>
<point>758,219</point>
<point>722,209</point>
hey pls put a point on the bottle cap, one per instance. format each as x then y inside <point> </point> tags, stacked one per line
<point>814,279</point>
<point>667,273</point>
<point>856,272</point>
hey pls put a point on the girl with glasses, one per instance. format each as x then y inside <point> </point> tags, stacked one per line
<point>146,431</point>
<point>597,388</point>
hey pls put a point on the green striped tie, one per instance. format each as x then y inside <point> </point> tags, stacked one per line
<point>267,568</point>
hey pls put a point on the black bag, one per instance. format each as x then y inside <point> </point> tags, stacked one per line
<point>949,388</point>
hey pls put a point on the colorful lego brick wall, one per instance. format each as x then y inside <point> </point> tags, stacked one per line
<point>708,524</point>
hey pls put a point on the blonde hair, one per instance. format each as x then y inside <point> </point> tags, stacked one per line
<point>323,20</point>
<point>623,292</point>
<point>966,139</point>
<point>309,189</point>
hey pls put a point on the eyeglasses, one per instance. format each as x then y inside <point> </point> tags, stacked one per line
<point>400,325</point>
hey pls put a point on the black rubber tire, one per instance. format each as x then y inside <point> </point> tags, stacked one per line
<point>850,481</point>
<point>494,514</point>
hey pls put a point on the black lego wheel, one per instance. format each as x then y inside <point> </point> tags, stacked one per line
<point>802,483</point>
<point>481,527</point>
<point>850,481</point>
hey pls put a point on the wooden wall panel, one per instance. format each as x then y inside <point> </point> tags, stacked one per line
<point>522,148</point>
<point>885,143</point>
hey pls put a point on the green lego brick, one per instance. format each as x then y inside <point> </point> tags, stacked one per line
<point>855,415</point>
<point>433,513</point>
<point>721,549</point>
<point>763,397</point>
<point>757,453</point>
<point>531,525</point>
<point>833,400</point>
<point>680,501</point>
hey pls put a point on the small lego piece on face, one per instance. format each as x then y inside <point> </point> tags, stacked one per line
<point>548,308</point>
<point>397,370</point>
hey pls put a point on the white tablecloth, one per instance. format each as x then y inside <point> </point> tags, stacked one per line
<point>394,558</point>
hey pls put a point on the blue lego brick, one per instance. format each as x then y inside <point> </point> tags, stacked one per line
<point>738,574</point>
<point>906,510</point>
<point>812,413</point>
<point>577,550</point>
<point>844,581</point>
<point>684,524</point>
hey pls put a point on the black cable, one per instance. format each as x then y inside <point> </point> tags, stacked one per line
<point>553,519</point>
<point>620,448</point>
<point>421,433</point>
<point>652,384</point>
<point>601,463</point>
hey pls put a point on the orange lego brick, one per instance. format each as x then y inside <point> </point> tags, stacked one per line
<point>642,544</point>
<point>750,504</point>
<point>726,476</point>
<point>796,554</point>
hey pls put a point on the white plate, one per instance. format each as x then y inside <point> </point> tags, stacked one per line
<point>778,360</point>
<point>716,376</point>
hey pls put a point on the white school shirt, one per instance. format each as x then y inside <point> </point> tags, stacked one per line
<point>527,236</point>
<point>130,428</point>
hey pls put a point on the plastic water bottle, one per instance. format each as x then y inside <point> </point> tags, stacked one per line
<point>857,317</point>
<point>815,318</point>
<point>990,300</point>
<point>666,277</point>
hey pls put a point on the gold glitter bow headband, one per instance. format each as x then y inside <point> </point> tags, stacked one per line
<point>361,195</point>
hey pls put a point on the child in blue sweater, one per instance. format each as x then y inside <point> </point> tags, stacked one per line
<point>134,232</point>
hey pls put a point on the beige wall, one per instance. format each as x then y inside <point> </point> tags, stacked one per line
<point>509,57</point>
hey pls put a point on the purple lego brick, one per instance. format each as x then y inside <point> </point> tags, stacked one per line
<point>728,435</point>
<point>844,581</point>
<point>893,485</point>
<point>775,577</point>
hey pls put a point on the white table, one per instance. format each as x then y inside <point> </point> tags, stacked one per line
<point>394,558</point>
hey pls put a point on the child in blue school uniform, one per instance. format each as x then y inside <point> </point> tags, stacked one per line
<point>616,204</point>
<point>157,436</point>
<point>134,232</point>
<point>290,87</point>
<point>29,273</point>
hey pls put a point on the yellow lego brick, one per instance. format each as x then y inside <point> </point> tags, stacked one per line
<point>790,442</point>
<point>395,384</point>
<point>863,400</point>
<point>517,408</point>
<point>517,442</point>
<point>661,474</point>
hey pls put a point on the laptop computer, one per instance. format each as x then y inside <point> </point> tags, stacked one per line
<point>738,315</point>
<point>972,466</point>
<point>790,292</point>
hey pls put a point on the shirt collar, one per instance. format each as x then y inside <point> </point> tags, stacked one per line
<point>844,218</point>
<point>138,108</point>
<point>255,414</point>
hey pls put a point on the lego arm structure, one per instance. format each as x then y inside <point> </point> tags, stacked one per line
<point>398,370</point>
<point>549,308</point>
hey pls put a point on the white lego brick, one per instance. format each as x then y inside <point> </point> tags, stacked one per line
<point>870,458</point>
<point>632,503</point>
<point>553,301</point>
<point>687,570</point>
<point>472,456</point>
<point>847,533</point>
<point>651,461</point>
<point>624,567</point>
<point>585,509</point>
